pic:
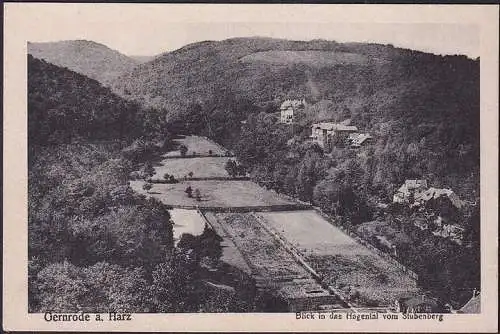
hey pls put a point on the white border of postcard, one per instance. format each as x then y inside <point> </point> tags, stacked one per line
<point>22,21</point>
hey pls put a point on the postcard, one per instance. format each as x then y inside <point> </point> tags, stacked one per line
<point>257,167</point>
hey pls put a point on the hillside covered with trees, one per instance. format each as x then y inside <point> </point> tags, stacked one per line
<point>95,245</point>
<point>422,109</point>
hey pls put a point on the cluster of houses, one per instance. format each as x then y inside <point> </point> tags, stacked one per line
<point>325,134</point>
<point>427,304</point>
<point>416,193</point>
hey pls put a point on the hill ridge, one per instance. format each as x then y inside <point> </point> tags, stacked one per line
<point>92,59</point>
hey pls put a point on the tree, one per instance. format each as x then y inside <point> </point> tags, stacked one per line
<point>189,191</point>
<point>64,287</point>
<point>166,176</point>
<point>148,170</point>
<point>183,149</point>
<point>231,168</point>
<point>190,174</point>
<point>241,170</point>
<point>147,186</point>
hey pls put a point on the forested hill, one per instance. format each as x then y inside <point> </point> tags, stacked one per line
<point>89,58</point>
<point>354,75</point>
<point>66,107</point>
<point>422,108</point>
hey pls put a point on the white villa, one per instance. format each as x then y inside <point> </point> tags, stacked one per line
<point>287,109</point>
<point>409,188</point>
<point>435,193</point>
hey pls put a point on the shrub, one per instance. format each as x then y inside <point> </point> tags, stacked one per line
<point>183,149</point>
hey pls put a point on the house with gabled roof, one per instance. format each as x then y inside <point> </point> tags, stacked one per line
<point>323,133</point>
<point>411,188</point>
<point>358,139</point>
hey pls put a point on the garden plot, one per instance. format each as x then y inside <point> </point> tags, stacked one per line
<point>200,167</point>
<point>197,145</point>
<point>230,252</point>
<point>342,261</point>
<point>214,193</point>
<point>268,258</point>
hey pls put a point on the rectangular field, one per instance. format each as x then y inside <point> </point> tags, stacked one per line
<point>200,167</point>
<point>214,193</point>
<point>342,261</point>
<point>196,144</point>
<point>268,258</point>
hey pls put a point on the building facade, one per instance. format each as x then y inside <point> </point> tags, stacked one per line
<point>325,133</point>
<point>289,108</point>
<point>410,190</point>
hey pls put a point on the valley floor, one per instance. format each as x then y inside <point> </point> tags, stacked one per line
<point>288,248</point>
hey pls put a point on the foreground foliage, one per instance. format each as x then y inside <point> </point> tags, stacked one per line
<point>94,245</point>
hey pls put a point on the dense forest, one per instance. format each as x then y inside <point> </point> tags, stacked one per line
<point>94,245</point>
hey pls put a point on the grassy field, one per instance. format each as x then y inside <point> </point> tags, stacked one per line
<point>186,221</point>
<point>341,260</point>
<point>214,194</point>
<point>201,167</point>
<point>316,58</point>
<point>199,145</point>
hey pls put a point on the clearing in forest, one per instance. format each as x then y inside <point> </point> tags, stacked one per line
<point>197,145</point>
<point>310,57</point>
<point>186,222</point>
<point>200,167</point>
<point>214,193</point>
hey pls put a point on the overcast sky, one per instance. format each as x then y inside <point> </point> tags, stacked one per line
<point>153,29</point>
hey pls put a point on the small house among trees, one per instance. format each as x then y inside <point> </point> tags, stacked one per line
<point>327,133</point>
<point>409,191</point>
<point>287,109</point>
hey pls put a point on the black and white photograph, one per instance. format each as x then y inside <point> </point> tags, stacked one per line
<point>303,167</point>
